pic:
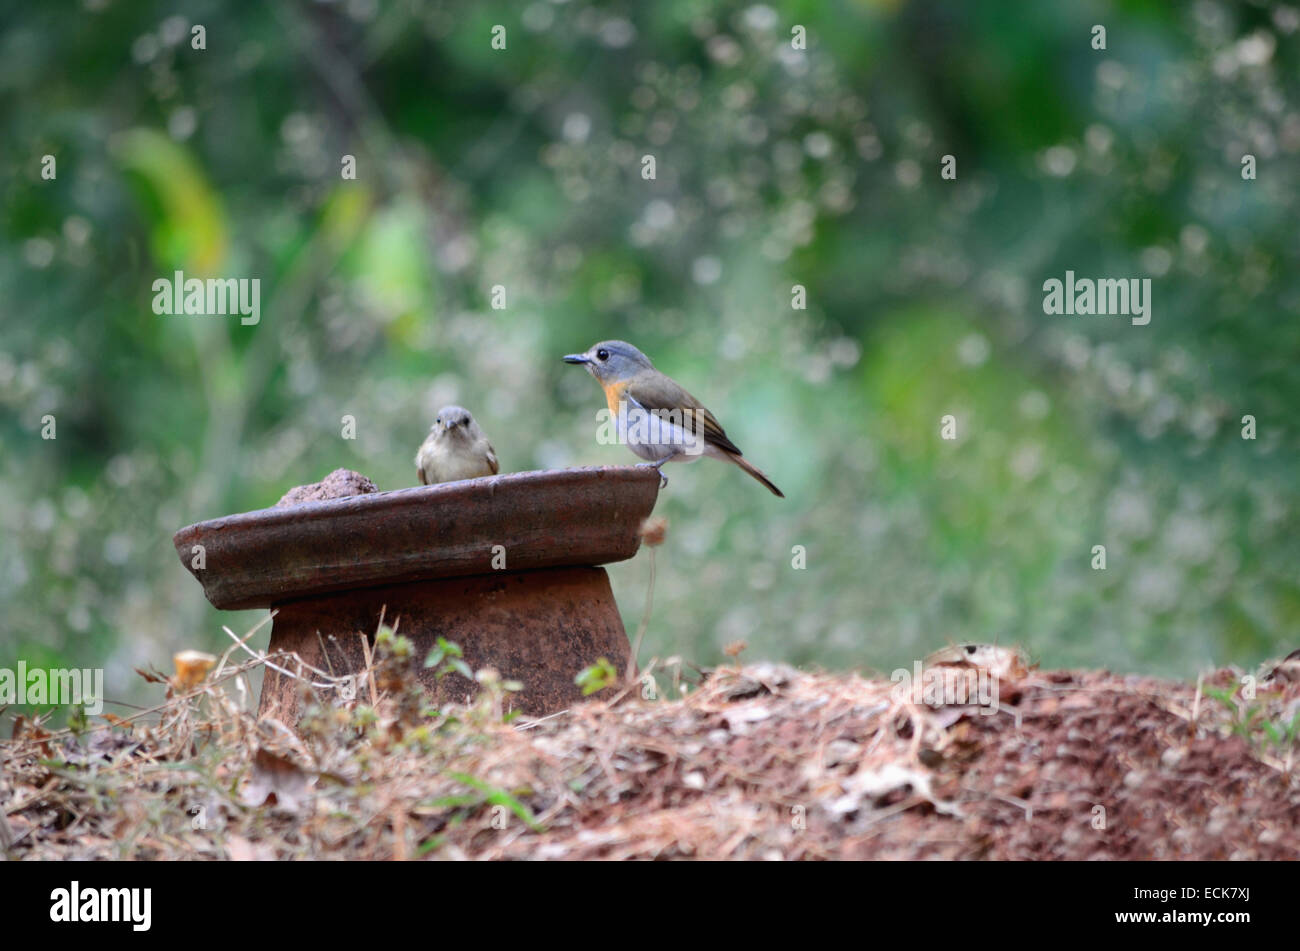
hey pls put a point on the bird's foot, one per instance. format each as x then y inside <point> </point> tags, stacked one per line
<point>658,467</point>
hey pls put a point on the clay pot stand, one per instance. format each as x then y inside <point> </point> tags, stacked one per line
<point>508,567</point>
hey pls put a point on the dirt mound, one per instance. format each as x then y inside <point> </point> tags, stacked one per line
<point>339,484</point>
<point>759,762</point>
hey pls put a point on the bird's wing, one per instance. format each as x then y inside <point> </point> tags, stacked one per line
<point>492,460</point>
<point>419,465</point>
<point>662,393</point>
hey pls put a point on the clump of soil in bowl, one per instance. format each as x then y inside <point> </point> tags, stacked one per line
<point>339,484</point>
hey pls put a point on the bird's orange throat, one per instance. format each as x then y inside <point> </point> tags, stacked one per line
<point>614,395</point>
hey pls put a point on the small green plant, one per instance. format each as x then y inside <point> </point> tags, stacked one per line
<point>485,794</point>
<point>390,644</point>
<point>78,721</point>
<point>447,657</point>
<point>1251,721</point>
<point>597,677</point>
<point>1282,735</point>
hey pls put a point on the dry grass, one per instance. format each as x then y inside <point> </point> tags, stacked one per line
<point>752,762</point>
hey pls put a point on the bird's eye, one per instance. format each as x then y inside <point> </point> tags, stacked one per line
<point>438,420</point>
<point>602,354</point>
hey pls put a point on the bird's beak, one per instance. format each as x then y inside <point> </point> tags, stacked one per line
<point>577,358</point>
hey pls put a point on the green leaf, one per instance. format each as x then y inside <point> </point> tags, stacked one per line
<point>189,230</point>
<point>499,797</point>
<point>596,677</point>
<point>431,843</point>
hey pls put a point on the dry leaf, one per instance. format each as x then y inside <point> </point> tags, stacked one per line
<point>6,836</point>
<point>865,787</point>
<point>276,776</point>
<point>242,850</point>
<point>1006,663</point>
<point>191,668</point>
<point>1287,669</point>
<point>654,530</point>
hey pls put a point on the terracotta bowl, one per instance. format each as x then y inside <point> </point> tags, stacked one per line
<point>546,519</point>
<point>506,566</point>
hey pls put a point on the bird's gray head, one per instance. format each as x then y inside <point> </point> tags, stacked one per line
<point>455,422</point>
<point>612,360</point>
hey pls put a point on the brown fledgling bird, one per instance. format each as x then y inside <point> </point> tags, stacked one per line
<point>455,449</point>
<point>657,419</point>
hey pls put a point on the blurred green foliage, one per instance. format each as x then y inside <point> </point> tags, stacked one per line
<point>775,167</point>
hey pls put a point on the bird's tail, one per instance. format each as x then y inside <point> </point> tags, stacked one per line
<point>757,474</point>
